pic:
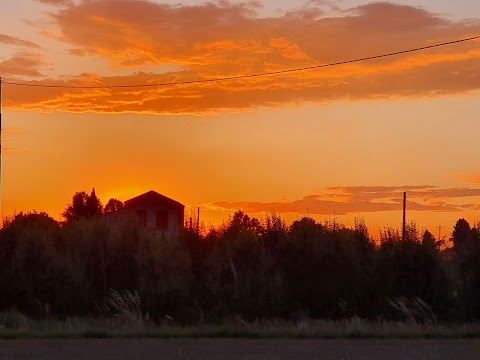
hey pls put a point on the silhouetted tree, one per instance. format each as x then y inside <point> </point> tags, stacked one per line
<point>113,205</point>
<point>254,269</point>
<point>308,261</point>
<point>466,244</point>
<point>94,206</point>
<point>410,268</point>
<point>462,236</point>
<point>30,269</point>
<point>83,206</point>
<point>78,208</point>
<point>428,240</point>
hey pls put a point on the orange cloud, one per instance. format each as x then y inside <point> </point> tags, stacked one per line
<point>23,64</point>
<point>221,39</point>
<point>131,32</point>
<point>56,2</point>
<point>10,40</point>
<point>362,199</point>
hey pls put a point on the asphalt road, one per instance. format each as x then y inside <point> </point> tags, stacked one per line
<point>186,349</point>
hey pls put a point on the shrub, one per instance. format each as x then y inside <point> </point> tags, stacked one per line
<point>13,320</point>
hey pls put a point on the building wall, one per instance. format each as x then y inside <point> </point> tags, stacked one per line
<point>150,215</point>
<point>157,211</point>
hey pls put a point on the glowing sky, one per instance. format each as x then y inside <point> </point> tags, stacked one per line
<point>344,140</point>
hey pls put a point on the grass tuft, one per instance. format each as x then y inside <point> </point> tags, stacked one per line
<point>13,320</point>
<point>354,328</point>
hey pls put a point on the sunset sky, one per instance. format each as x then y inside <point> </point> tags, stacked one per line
<point>341,141</point>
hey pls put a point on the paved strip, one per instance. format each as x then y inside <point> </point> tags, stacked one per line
<point>238,349</point>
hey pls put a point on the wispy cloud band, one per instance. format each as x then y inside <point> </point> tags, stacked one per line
<point>365,199</point>
<point>221,39</point>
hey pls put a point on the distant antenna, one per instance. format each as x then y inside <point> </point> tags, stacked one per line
<point>404,235</point>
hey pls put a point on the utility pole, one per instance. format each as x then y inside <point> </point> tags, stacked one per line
<point>404,234</point>
<point>439,232</point>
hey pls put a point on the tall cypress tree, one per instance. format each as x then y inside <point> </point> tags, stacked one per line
<point>94,206</point>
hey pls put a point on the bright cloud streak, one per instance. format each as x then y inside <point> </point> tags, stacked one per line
<point>364,199</point>
<point>224,39</point>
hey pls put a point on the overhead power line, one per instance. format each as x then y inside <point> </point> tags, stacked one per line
<point>240,77</point>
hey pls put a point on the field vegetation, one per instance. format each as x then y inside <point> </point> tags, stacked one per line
<point>88,276</point>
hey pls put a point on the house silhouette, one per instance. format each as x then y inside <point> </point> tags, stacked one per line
<point>157,211</point>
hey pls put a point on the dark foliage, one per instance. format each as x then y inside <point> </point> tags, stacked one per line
<point>83,206</point>
<point>113,205</point>
<point>246,267</point>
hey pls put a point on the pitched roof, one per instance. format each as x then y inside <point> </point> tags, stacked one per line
<point>152,197</point>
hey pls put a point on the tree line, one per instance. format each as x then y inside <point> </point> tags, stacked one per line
<point>246,267</point>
